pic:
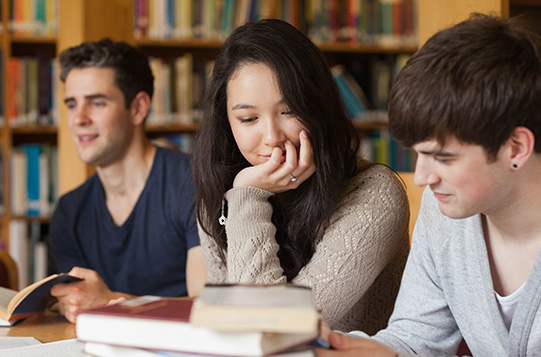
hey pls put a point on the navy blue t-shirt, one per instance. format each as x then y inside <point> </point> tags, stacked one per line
<point>147,254</point>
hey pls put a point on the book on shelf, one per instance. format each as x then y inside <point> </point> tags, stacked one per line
<point>178,88</point>
<point>157,323</point>
<point>352,94</point>
<point>381,147</point>
<point>33,179</point>
<point>28,248</point>
<point>34,17</point>
<point>17,182</point>
<point>19,249</point>
<point>284,308</point>
<point>32,300</point>
<point>33,91</point>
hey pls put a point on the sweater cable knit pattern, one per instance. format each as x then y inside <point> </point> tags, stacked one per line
<point>356,268</point>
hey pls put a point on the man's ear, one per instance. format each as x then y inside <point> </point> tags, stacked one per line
<point>520,147</point>
<point>139,108</point>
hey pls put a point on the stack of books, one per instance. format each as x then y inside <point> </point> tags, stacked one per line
<point>228,320</point>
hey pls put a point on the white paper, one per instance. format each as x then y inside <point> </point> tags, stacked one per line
<point>14,342</point>
<point>69,348</point>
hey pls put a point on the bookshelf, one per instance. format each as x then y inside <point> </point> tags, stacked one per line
<point>28,46</point>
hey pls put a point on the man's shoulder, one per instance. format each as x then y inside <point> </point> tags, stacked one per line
<point>170,154</point>
<point>81,193</point>
<point>172,159</point>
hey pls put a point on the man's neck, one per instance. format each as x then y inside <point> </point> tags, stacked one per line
<point>519,217</point>
<point>124,181</point>
<point>513,233</point>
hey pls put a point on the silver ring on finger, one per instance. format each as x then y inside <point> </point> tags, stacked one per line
<point>293,178</point>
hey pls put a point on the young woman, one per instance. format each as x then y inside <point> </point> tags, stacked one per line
<point>281,194</point>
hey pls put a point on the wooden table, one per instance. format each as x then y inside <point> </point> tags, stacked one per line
<point>49,327</point>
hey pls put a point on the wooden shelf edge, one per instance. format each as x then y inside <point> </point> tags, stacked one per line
<point>172,128</point>
<point>32,219</point>
<point>346,47</point>
<point>370,125</point>
<point>526,3</point>
<point>34,129</point>
<point>188,42</point>
<point>51,40</point>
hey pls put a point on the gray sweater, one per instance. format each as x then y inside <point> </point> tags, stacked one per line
<point>447,294</point>
<point>356,268</point>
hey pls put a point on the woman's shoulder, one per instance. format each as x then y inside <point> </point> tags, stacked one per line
<point>376,186</point>
<point>377,178</point>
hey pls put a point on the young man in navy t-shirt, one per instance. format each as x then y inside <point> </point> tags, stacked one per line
<point>130,229</point>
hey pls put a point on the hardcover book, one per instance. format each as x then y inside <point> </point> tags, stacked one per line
<point>285,308</point>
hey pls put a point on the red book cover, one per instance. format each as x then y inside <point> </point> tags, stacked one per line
<point>155,309</point>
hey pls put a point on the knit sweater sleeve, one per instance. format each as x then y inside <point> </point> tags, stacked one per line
<point>251,247</point>
<point>252,250</point>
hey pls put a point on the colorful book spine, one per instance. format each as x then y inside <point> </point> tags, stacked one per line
<point>32,91</point>
<point>354,104</point>
<point>33,153</point>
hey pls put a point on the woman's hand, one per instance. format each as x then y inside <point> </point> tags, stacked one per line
<point>277,177</point>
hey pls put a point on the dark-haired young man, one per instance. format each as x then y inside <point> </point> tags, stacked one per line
<point>468,102</point>
<point>130,229</point>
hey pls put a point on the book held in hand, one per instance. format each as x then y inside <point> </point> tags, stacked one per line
<point>162,324</point>
<point>285,308</point>
<point>32,300</point>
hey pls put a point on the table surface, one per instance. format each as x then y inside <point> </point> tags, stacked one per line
<point>48,327</point>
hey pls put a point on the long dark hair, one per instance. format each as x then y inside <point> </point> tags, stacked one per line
<point>310,92</point>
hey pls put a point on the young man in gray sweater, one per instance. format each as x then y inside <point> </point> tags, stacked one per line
<point>468,103</point>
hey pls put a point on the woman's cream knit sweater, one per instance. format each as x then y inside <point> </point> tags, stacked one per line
<point>356,268</point>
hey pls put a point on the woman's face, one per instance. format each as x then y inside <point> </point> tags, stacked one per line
<point>259,118</point>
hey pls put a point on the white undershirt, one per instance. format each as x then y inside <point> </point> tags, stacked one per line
<point>508,305</point>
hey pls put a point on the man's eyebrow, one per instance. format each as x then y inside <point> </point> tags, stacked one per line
<point>87,97</point>
<point>437,153</point>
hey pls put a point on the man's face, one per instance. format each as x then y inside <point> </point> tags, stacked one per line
<point>461,178</point>
<point>97,117</point>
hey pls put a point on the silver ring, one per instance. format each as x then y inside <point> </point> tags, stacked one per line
<point>293,178</point>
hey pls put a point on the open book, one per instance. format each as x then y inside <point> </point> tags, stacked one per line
<point>31,300</point>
